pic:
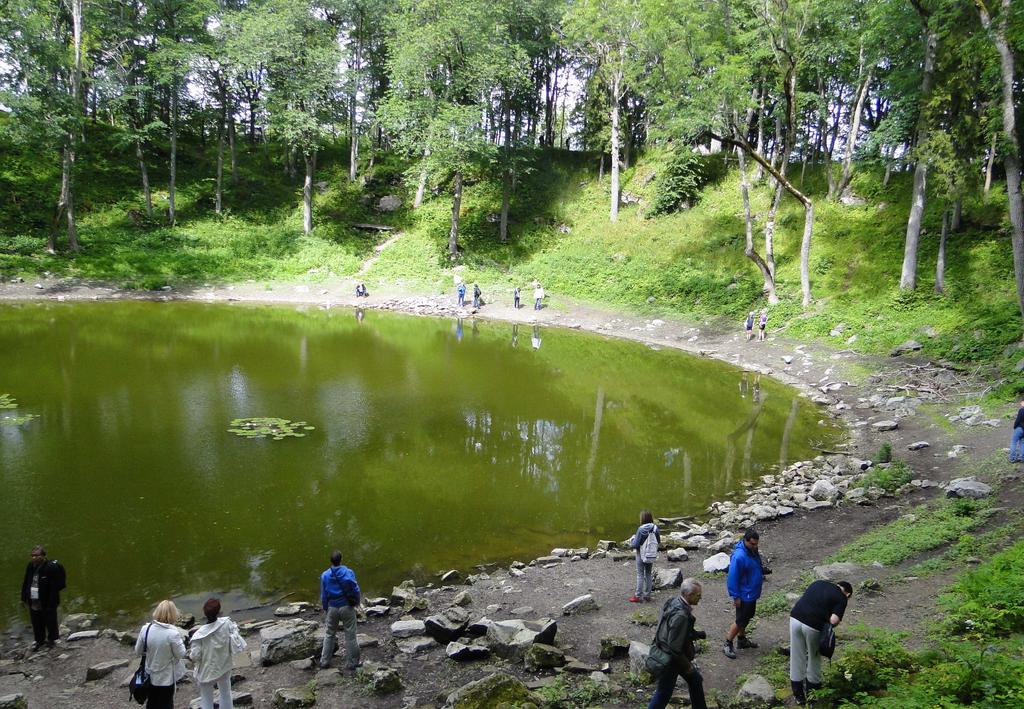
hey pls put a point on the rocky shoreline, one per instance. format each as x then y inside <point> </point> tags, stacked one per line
<point>469,643</point>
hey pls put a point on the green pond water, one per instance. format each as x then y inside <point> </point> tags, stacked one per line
<point>435,445</point>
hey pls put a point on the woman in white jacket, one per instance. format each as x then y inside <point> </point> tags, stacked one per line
<point>165,655</point>
<point>211,649</point>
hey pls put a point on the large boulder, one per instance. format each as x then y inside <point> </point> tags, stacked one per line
<point>389,203</point>
<point>404,595</point>
<point>969,487</point>
<point>415,645</point>
<point>408,628</point>
<point>461,652</point>
<point>491,691</point>
<point>13,701</point>
<point>288,640</point>
<point>667,578</point>
<point>80,621</point>
<point>908,346</point>
<point>614,646</point>
<point>511,638</point>
<point>838,571</point>
<point>543,657</point>
<point>580,604</point>
<point>756,691</point>
<point>823,490</point>
<point>447,625</point>
<point>718,562</point>
<point>380,679</point>
<point>102,669</point>
<point>638,653</point>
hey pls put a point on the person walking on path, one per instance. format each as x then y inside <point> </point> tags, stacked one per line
<point>538,295</point>
<point>672,651</point>
<point>823,602</point>
<point>161,642</point>
<point>339,596</point>
<point>515,297</point>
<point>460,290</point>
<point>210,649</point>
<point>762,324</point>
<point>644,557</point>
<point>40,591</point>
<point>748,325</point>
<point>746,576</point>
<point>1017,439</point>
<point>476,295</point>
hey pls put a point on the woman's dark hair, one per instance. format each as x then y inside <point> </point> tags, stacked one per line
<point>646,517</point>
<point>211,609</point>
<point>845,585</point>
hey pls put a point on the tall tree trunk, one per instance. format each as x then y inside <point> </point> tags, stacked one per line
<point>146,192</point>
<point>769,228</point>
<point>171,216</point>
<point>353,153</point>
<point>908,276</point>
<point>616,83</point>
<point>231,144</point>
<point>888,168</point>
<point>940,261</point>
<point>749,251</point>
<point>68,166</point>
<point>1011,160</point>
<point>958,211</point>
<point>506,197</point>
<point>307,193</point>
<point>219,187</point>
<point>453,233</point>
<point>851,139</point>
<point>600,170</point>
<point>422,185</point>
<point>990,163</point>
<point>758,172</point>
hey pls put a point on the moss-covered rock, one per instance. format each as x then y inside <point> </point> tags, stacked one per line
<point>497,690</point>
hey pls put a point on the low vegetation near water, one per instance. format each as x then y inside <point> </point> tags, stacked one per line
<point>688,262</point>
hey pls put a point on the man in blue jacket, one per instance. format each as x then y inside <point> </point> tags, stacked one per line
<point>746,574</point>
<point>339,596</point>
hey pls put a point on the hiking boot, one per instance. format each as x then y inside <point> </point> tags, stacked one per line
<point>728,650</point>
<point>36,646</point>
<point>745,644</point>
<point>635,599</point>
<point>798,692</point>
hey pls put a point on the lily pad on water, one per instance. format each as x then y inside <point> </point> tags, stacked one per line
<point>17,420</point>
<point>7,402</point>
<point>262,427</point>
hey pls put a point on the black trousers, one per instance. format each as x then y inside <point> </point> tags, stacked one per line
<point>44,624</point>
<point>160,697</point>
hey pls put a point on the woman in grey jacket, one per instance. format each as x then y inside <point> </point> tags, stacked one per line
<point>165,655</point>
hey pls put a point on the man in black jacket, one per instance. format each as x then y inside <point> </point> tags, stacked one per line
<point>673,650</point>
<point>40,591</point>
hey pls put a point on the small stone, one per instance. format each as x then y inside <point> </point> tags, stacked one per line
<point>580,604</point>
<point>380,679</point>
<point>103,669</point>
<point>908,346</point>
<point>84,635</point>
<point>408,628</point>
<point>412,646</point>
<point>461,652</point>
<point>716,563</point>
<point>543,657</point>
<point>886,425</point>
<point>679,554</point>
<point>288,697</point>
<point>919,445</point>
<point>462,598</point>
<point>758,689</point>
<point>13,701</point>
<point>638,653</point>
<point>969,487</point>
<point>614,646</point>
<point>305,664</point>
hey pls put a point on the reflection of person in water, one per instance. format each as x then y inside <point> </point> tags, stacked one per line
<point>359,315</point>
<point>515,334</point>
<point>756,395</point>
<point>535,340</point>
<point>476,329</point>
<point>458,329</point>
<point>744,385</point>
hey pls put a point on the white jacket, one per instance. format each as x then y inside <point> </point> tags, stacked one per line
<point>165,654</point>
<point>212,646</point>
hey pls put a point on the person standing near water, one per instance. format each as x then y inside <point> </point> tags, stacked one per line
<point>538,295</point>
<point>476,295</point>
<point>515,297</point>
<point>762,324</point>
<point>40,591</point>
<point>644,568</point>
<point>1017,439</point>
<point>339,596</point>
<point>744,582</point>
<point>460,290</point>
<point>164,649</point>
<point>748,325</point>
<point>211,648</point>
<point>673,650</point>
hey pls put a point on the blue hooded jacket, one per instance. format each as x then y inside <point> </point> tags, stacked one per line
<point>745,574</point>
<point>338,587</point>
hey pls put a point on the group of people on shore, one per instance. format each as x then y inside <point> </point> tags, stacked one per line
<point>672,653</point>
<point>762,324</point>
<point>461,290</point>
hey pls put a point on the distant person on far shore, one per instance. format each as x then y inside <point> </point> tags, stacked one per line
<point>823,602</point>
<point>211,648</point>
<point>40,591</point>
<point>1017,440</point>
<point>515,297</point>
<point>762,323</point>
<point>339,596</point>
<point>748,325</point>
<point>165,654</point>
<point>644,556</point>
<point>460,291</point>
<point>361,291</point>
<point>538,296</point>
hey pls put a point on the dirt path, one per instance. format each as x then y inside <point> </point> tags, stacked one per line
<point>377,251</point>
<point>794,544</point>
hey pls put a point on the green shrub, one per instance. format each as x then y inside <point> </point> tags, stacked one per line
<point>891,479</point>
<point>862,670</point>
<point>989,600</point>
<point>679,183</point>
<point>884,454</point>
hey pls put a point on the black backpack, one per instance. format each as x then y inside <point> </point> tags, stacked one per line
<point>827,641</point>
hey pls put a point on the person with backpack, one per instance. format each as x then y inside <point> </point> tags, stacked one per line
<point>748,325</point>
<point>339,596</point>
<point>515,297</point>
<point>40,591</point>
<point>762,323</point>
<point>645,542</point>
<point>210,649</point>
<point>744,581</point>
<point>673,650</point>
<point>476,295</point>
<point>824,602</point>
<point>161,645</point>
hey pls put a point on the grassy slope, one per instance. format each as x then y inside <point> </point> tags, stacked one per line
<point>689,263</point>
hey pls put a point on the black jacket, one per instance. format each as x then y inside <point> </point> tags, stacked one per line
<point>673,641</point>
<point>52,581</point>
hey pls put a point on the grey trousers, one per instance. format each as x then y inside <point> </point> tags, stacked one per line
<point>644,580</point>
<point>804,658</point>
<point>346,617</point>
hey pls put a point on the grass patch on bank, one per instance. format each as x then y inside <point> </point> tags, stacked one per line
<point>889,479</point>
<point>568,692</point>
<point>921,529</point>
